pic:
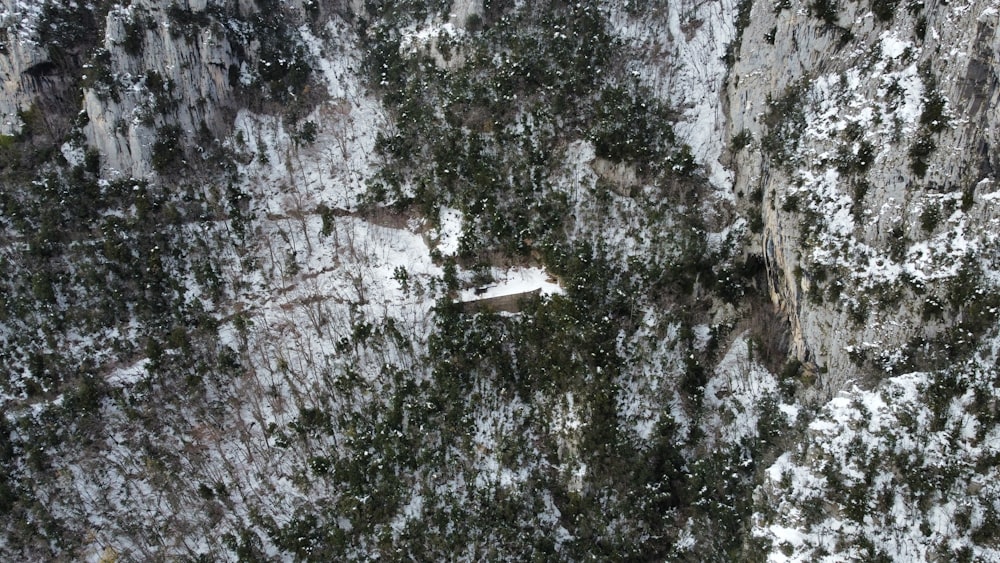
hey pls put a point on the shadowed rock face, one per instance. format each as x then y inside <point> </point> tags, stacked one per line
<point>125,73</point>
<point>503,303</point>
<point>36,72</point>
<point>183,60</point>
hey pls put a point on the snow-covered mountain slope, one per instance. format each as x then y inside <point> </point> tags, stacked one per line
<point>277,367</point>
<point>905,473</point>
<point>496,280</point>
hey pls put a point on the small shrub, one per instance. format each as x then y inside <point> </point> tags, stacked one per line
<point>135,32</point>
<point>311,8</point>
<point>854,131</point>
<point>858,312</point>
<point>306,134</point>
<point>933,309</point>
<point>402,277</point>
<point>167,151</point>
<point>741,140</point>
<point>327,215</point>
<point>849,162</point>
<point>791,203</point>
<point>898,244</point>
<point>860,190</point>
<point>185,22</point>
<point>770,35</point>
<point>742,21</point>
<point>968,198</point>
<point>785,122</point>
<point>920,27</point>
<point>631,127</point>
<point>920,153</point>
<point>929,218</point>
<point>932,117</point>
<point>825,10</point>
<point>884,10</point>
<point>474,23</point>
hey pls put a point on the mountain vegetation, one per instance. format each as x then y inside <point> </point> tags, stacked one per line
<point>498,280</point>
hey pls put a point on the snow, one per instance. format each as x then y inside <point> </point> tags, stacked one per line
<point>941,256</point>
<point>514,281</point>
<point>791,412</point>
<point>734,395</point>
<point>305,294</point>
<point>839,99</point>
<point>645,396</point>
<point>909,81</point>
<point>449,233</point>
<point>892,45</point>
<point>24,18</point>
<point>411,511</point>
<point>857,443</point>
<point>414,39</point>
<point>331,170</point>
<point>72,153</point>
<point>129,375</point>
<point>337,71</point>
<point>302,287</point>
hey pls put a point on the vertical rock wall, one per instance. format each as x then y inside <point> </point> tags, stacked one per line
<point>174,74</point>
<point>832,102</point>
<point>132,75</point>
<point>35,74</point>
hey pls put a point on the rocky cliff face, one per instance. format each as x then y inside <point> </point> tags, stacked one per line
<point>153,75</point>
<point>160,66</point>
<point>864,138</point>
<point>44,46</point>
<point>19,87</point>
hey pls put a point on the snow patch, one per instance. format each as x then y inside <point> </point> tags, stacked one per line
<point>514,281</point>
<point>129,375</point>
<point>449,233</point>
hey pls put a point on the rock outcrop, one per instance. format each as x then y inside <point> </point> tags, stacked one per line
<point>161,82</point>
<point>852,126</point>
<point>38,75</point>
<point>166,67</point>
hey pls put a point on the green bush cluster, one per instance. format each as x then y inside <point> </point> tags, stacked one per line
<point>884,10</point>
<point>741,140</point>
<point>493,152</point>
<point>785,122</point>
<point>100,255</point>
<point>630,126</point>
<point>743,10</point>
<point>932,121</point>
<point>168,151</point>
